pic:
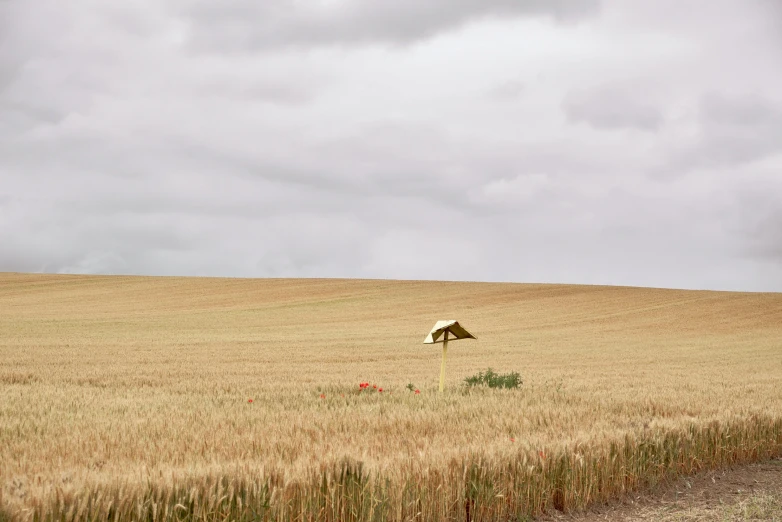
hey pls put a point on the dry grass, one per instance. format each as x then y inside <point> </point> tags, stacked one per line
<point>127,397</point>
<point>762,506</point>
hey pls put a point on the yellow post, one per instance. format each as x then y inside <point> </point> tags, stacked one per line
<point>442,365</point>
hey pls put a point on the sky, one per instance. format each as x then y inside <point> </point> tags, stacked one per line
<point>595,142</point>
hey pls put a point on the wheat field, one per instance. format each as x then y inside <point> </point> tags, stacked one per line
<point>141,398</point>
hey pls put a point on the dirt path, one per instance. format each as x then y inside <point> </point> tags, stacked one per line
<point>750,493</point>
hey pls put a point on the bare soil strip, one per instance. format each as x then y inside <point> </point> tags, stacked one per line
<point>746,493</point>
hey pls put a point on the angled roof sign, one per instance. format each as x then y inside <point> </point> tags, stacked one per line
<point>454,329</point>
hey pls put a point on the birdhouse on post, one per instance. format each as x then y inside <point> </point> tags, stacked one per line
<point>443,332</point>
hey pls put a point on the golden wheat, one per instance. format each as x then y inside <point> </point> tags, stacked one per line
<point>126,398</point>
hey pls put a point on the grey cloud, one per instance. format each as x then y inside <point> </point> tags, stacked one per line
<point>67,63</point>
<point>5,18</point>
<point>612,107</point>
<point>8,64</point>
<point>19,258</point>
<point>122,150</point>
<point>752,112</point>
<point>244,24</point>
<point>279,93</point>
<point>772,12</point>
<point>389,158</point>
<point>21,116</point>
<point>760,219</point>
<point>507,91</point>
<point>60,241</point>
<point>415,161</point>
<point>732,131</point>
<point>276,83</point>
<point>768,235</point>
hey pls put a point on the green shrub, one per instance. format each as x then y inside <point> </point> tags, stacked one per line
<point>494,380</point>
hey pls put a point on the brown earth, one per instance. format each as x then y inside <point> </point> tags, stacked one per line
<point>746,493</point>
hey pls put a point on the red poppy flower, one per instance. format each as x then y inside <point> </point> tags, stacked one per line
<point>374,386</point>
<point>418,392</point>
<point>322,395</point>
<point>250,400</point>
<point>380,390</point>
<point>512,439</point>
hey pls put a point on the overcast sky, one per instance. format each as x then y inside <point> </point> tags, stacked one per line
<point>600,142</point>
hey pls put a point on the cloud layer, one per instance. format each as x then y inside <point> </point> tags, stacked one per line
<point>584,142</point>
<point>240,25</point>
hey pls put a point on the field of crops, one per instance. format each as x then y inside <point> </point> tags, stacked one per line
<point>126,398</point>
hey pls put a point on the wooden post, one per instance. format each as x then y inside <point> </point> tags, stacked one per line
<point>442,365</point>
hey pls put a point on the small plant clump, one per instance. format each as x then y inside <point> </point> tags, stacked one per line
<point>492,379</point>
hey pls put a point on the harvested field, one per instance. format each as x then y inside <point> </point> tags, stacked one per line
<point>127,397</point>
